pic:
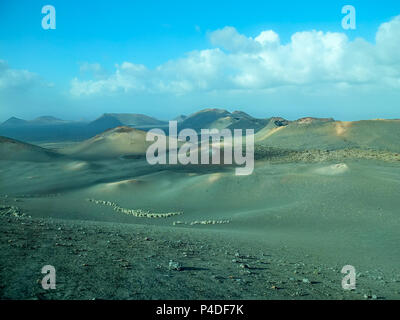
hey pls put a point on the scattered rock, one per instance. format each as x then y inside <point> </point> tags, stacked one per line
<point>174,265</point>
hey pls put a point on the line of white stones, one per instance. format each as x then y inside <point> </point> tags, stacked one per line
<point>135,212</point>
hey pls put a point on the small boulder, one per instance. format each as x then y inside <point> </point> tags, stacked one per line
<point>175,266</point>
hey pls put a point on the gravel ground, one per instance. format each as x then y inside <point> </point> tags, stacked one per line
<point>95,260</point>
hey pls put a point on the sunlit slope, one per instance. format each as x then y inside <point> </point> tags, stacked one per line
<point>376,134</point>
<point>332,135</point>
<point>112,143</point>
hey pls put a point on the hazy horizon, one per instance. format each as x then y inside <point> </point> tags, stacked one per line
<point>266,59</point>
<point>83,119</point>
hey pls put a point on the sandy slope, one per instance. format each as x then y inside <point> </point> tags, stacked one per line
<point>339,213</point>
<point>119,142</point>
<point>328,135</point>
<point>111,144</point>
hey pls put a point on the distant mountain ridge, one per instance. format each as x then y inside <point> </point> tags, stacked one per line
<point>222,119</point>
<point>112,120</point>
<point>13,121</point>
<point>48,128</point>
<point>302,134</point>
<point>131,119</point>
<point>43,120</point>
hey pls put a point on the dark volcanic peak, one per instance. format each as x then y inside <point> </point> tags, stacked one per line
<point>180,118</point>
<point>134,119</point>
<point>47,118</point>
<point>13,121</point>
<point>43,120</point>
<point>241,114</point>
<point>112,120</point>
<point>220,119</point>
<point>209,112</point>
<point>204,118</point>
<point>104,122</point>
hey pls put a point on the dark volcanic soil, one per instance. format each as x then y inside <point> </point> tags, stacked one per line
<point>95,260</point>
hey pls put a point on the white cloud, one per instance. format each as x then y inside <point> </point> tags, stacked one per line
<point>128,76</point>
<point>388,41</point>
<point>267,38</point>
<point>14,78</point>
<point>239,62</point>
<point>228,38</point>
<point>93,69</point>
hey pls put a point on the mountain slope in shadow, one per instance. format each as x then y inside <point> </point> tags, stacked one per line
<point>15,150</point>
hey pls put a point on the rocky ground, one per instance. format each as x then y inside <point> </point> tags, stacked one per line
<point>276,155</point>
<point>96,260</point>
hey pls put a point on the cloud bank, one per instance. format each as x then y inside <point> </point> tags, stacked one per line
<point>238,62</point>
<point>315,73</point>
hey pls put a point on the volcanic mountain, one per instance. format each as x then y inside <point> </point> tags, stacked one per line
<point>15,150</point>
<point>221,119</point>
<point>113,143</point>
<point>327,134</point>
<point>112,120</point>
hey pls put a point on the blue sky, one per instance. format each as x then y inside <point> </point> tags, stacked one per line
<point>78,69</point>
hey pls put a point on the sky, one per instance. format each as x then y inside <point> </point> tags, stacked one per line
<point>165,58</point>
